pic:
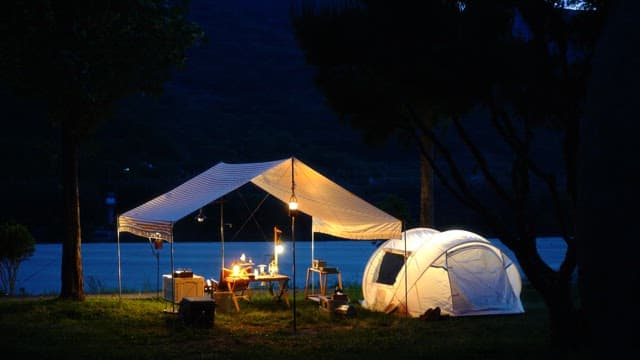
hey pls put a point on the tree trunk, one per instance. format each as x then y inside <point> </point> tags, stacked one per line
<point>426,187</point>
<point>71,269</point>
<point>554,288</point>
<point>607,197</point>
<point>12,272</point>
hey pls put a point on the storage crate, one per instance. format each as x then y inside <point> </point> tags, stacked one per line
<point>330,303</point>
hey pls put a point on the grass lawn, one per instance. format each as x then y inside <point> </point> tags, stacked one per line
<point>106,327</point>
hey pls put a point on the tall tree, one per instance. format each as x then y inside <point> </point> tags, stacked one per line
<point>608,185</point>
<point>80,58</point>
<point>410,67</point>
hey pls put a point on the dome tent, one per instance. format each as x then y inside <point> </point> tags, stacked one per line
<point>458,271</point>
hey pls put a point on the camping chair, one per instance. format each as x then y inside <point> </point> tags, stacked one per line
<point>210,286</point>
<point>238,287</point>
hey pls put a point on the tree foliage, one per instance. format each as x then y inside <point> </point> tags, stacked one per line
<point>91,53</point>
<point>384,65</point>
<point>516,68</point>
<point>16,245</point>
<point>80,58</point>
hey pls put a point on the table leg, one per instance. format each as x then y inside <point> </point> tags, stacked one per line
<point>235,301</point>
<point>306,284</point>
<point>323,283</point>
<point>283,291</point>
<point>231,286</point>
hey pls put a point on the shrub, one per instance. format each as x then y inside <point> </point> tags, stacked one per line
<point>16,245</point>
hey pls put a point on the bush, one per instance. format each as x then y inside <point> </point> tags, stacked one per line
<point>16,245</point>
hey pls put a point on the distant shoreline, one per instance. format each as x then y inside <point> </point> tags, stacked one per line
<point>130,241</point>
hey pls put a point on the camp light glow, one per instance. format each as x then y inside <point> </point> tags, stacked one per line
<point>278,248</point>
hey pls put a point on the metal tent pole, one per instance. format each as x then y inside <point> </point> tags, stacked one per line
<point>119,268</point>
<point>406,282</point>
<point>173,280</point>
<point>221,238</point>
<point>293,211</point>
<point>313,274</point>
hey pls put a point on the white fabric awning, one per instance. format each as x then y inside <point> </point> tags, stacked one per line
<point>334,210</point>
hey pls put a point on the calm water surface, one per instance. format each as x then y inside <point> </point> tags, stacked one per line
<point>142,266</point>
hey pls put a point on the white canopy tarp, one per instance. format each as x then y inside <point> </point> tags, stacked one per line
<point>334,210</point>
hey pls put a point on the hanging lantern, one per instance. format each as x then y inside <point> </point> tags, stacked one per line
<point>157,244</point>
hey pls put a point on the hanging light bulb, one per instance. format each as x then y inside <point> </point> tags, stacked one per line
<point>201,217</point>
<point>293,205</point>
<point>293,201</point>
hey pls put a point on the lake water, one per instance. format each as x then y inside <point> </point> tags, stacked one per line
<point>142,270</point>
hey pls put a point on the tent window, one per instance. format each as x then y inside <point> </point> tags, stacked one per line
<point>390,267</point>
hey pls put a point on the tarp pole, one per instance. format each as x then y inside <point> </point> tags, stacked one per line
<point>312,248</point>
<point>173,278</point>
<point>313,274</point>
<point>119,269</point>
<point>221,240</point>
<point>406,282</point>
<point>293,239</point>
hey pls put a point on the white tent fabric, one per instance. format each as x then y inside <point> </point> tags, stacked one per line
<point>458,271</point>
<point>334,210</point>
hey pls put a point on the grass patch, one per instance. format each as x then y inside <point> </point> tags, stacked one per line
<point>108,328</point>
